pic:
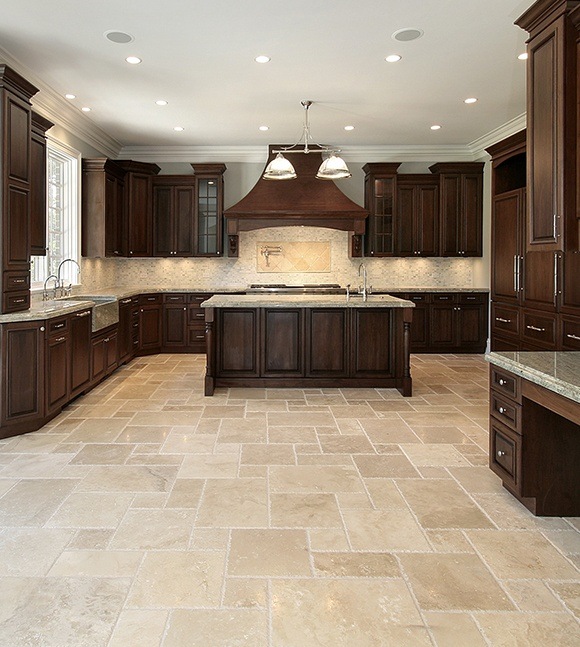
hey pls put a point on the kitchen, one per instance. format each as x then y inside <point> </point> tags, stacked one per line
<point>195,522</point>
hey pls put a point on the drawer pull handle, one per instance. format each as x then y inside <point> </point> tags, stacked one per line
<point>200,336</point>
<point>502,382</point>
<point>501,410</point>
<point>59,339</point>
<point>573,337</point>
<point>536,328</point>
<point>200,315</point>
<point>151,298</point>
<point>126,301</point>
<point>500,453</point>
<point>503,320</point>
<point>18,301</point>
<point>60,325</point>
<point>83,314</point>
<point>18,280</point>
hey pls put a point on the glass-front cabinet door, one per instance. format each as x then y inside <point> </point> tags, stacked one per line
<point>209,209</point>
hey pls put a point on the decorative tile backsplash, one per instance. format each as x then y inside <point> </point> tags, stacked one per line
<point>329,244</point>
<point>291,256</point>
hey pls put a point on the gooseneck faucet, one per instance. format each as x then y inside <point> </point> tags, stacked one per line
<point>364,291</point>
<point>44,289</point>
<point>63,290</point>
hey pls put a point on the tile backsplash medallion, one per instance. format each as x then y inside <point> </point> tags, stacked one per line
<point>330,264</point>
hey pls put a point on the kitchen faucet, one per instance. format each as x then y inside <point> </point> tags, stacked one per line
<point>364,291</point>
<point>65,291</point>
<point>45,291</point>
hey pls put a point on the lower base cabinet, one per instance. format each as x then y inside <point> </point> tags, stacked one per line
<point>80,352</point>
<point>104,354</point>
<point>58,358</point>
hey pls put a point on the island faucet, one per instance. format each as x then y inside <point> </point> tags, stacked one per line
<point>364,291</point>
<point>64,291</point>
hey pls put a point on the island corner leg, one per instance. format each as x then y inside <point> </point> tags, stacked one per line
<point>406,389</point>
<point>209,352</point>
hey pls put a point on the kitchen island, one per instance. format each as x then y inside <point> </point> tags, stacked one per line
<point>308,341</point>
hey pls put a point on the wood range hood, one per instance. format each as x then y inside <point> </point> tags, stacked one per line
<point>304,201</point>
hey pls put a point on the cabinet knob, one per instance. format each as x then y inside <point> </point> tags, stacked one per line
<point>42,328</point>
<point>501,410</point>
<point>500,453</point>
<point>502,382</point>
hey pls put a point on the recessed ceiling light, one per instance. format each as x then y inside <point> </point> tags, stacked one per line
<point>349,127</point>
<point>523,57</point>
<point>435,127</point>
<point>85,109</point>
<point>407,34</point>
<point>470,100</point>
<point>134,60</point>
<point>118,37</point>
<point>161,102</point>
<point>264,128</point>
<point>393,58</point>
<point>70,96</point>
<point>262,59</point>
<point>178,129</point>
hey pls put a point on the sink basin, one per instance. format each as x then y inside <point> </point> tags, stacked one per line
<point>105,310</point>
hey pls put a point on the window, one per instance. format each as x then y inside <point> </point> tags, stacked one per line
<point>62,218</point>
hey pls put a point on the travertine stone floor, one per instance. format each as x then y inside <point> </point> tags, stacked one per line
<point>148,515</point>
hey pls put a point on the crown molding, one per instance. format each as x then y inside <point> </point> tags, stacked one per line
<point>511,127</point>
<point>53,106</point>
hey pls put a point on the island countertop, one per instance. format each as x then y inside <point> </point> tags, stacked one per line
<point>556,371</point>
<point>304,301</point>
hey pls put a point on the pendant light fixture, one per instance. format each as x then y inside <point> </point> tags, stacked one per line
<point>333,167</point>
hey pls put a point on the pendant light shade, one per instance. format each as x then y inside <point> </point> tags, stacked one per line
<point>279,169</point>
<point>332,168</point>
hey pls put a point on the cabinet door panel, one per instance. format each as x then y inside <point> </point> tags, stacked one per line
<point>571,283</point>
<point>283,342</point>
<point>174,326</point>
<point>507,225</point>
<point>471,215</point>
<point>38,196</point>
<point>17,230</point>
<point>371,352</point>
<point>449,200</point>
<point>471,324</point>
<point>420,327</point>
<point>57,372</point>
<point>238,352</point>
<point>327,343</point>
<point>427,215</point>
<point>442,328</point>
<point>162,221</point>
<point>150,327</point>
<point>98,358</point>
<point>80,326</point>
<point>184,215</point>
<point>405,224</point>
<point>540,280</point>
<point>138,216</point>
<point>17,140</point>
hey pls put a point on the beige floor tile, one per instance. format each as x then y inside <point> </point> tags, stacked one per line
<point>135,392</point>
<point>34,443</point>
<point>332,539</point>
<point>304,511</point>
<point>435,455</point>
<point>520,555</point>
<point>143,434</point>
<point>32,502</point>
<point>360,411</point>
<point>532,595</point>
<point>218,628</point>
<point>37,466</point>
<point>154,529</point>
<point>149,500</point>
<point>453,582</point>
<point>62,611</point>
<point>291,435</point>
<point>568,541</point>
<point>91,539</point>
<point>454,630</point>
<point>384,494</point>
<point>354,501</point>
<point>441,503</point>
<point>241,502</point>
<point>389,431</point>
<point>477,479</point>
<point>268,552</point>
<point>144,628</point>
<point>448,435</point>
<point>91,510</point>
<point>246,592</point>
<point>315,478</point>
<point>345,444</point>
<point>97,430</point>
<point>128,478</point>
<point>345,612</point>
<point>202,466</point>
<point>178,442</point>
<point>299,419</point>
<point>103,454</point>
<point>166,418</point>
<point>273,454</point>
<point>170,579</point>
<point>384,530</point>
<point>186,493</point>
<point>31,551</point>
<point>385,466</point>
<point>242,431</point>
<point>449,541</point>
<point>211,411</point>
<point>508,513</point>
<point>356,565</point>
<point>210,539</point>
<point>530,629</point>
<point>569,593</point>
<point>96,563</point>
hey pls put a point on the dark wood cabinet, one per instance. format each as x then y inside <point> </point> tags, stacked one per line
<point>103,208</point>
<point>326,332</point>
<point>458,321</point>
<point>125,329</point>
<point>283,333</point>
<point>138,230</point>
<point>23,350</point>
<point>240,356</point>
<point>372,335</point>
<point>196,322</point>
<point>104,353</point>
<point>175,322</point>
<point>209,207</point>
<point>380,201</point>
<point>80,351</point>
<point>38,184</point>
<point>150,323</point>
<point>15,178</point>
<point>417,221</point>
<point>57,371</point>
<point>173,215</point>
<point>460,207</point>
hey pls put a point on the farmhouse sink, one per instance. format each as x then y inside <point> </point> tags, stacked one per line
<point>105,310</point>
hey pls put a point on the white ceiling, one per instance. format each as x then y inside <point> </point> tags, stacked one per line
<point>199,56</point>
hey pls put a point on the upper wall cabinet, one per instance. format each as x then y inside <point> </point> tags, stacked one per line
<point>437,214</point>
<point>552,91</point>
<point>173,215</point>
<point>38,184</point>
<point>15,178</point>
<point>209,207</point>
<point>460,208</point>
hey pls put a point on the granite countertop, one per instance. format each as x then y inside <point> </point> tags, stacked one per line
<point>555,371</point>
<point>304,301</point>
<point>438,289</point>
<point>47,310</point>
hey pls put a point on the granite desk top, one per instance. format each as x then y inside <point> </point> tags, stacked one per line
<point>304,301</point>
<point>555,371</point>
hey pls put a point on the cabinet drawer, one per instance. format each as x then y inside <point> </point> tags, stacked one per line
<point>57,326</point>
<point>127,301</point>
<point>506,411</point>
<point>196,316</point>
<point>196,336</point>
<point>473,297</point>
<point>148,299</point>
<point>505,319</point>
<point>444,298</point>
<point>505,454</point>
<point>16,281</point>
<point>539,328</point>
<point>16,301</point>
<point>506,383</point>
<point>174,298</point>
<point>198,298</point>
<point>570,334</point>
<point>417,298</point>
